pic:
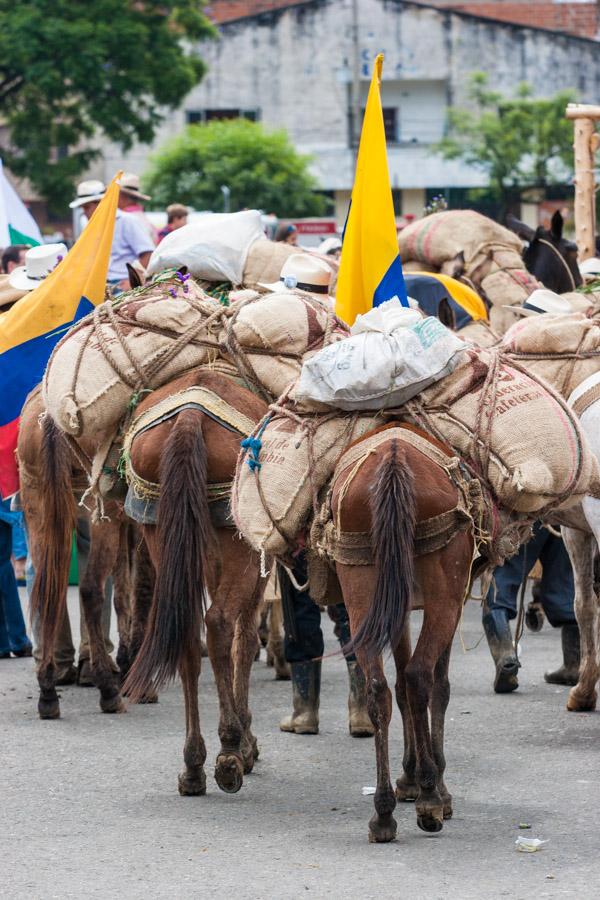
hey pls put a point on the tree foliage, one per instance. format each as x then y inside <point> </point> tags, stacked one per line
<point>261,169</point>
<point>70,69</point>
<point>520,142</point>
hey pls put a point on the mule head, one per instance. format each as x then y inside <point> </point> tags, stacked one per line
<point>550,257</point>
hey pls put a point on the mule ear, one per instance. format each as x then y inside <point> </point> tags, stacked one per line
<point>446,314</point>
<point>556,225</point>
<point>135,279</point>
<point>520,228</point>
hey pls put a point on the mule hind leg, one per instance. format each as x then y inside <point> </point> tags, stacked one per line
<point>581,546</point>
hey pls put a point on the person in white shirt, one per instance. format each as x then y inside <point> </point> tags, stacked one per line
<point>130,241</point>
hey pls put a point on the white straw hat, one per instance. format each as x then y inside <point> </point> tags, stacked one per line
<point>39,262</point>
<point>304,272</point>
<point>130,185</point>
<point>543,301</point>
<point>87,192</point>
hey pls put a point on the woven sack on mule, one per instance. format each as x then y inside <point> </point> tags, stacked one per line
<point>554,346</point>
<point>490,256</point>
<point>281,469</point>
<point>517,434</point>
<point>127,347</point>
<point>269,335</point>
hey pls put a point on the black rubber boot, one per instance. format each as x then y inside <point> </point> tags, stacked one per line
<point>306,686</point>
<point>499,637</point>
<point>568,673</point>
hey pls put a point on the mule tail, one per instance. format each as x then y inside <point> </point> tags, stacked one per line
<point>56,509</point>
<point>392,537</point>
<point>183,532</point>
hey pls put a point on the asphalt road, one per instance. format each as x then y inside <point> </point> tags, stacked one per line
<point>89,805</point>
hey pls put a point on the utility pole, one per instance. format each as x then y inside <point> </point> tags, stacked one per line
<point>586,143</point>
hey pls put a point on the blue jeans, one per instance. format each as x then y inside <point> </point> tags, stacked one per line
<point>556,588</point>
<point>13,634</point>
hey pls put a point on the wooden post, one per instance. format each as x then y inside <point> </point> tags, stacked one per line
<point>585,146</point>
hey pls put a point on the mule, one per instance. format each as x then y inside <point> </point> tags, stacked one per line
<point>196,555</point>
<point>52,482</point>
<point>548,255</point>
<point>581,527</point>
<point>395,488</point>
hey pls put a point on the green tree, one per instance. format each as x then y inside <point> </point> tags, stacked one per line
<point>71,69</point>
<point>518,142</point>
<point>261,169</point>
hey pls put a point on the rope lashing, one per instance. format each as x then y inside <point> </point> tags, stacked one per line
<point>253,446</point>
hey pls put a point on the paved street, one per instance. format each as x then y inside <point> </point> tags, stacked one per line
<point>90,805</point>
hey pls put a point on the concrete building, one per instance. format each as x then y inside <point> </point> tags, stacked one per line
<point>293,65</point>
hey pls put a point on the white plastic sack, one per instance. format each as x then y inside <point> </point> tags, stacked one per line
<point>392,354</point>
<point>214,248</point>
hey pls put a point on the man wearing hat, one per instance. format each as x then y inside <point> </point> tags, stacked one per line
<point>303,638</point>
<point>556,591</point>
<point>131,201</point>
<point>130,242</point>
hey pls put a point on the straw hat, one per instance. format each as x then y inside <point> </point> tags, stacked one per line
<point>304,272</point>
<point>39,262</point>
<point>329,245</point>
<point>87,192</point>
<point>543,301</point>
<point>590,268</point>
<point>130,185</point>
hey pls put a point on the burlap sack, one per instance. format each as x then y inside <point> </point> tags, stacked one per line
<point>287,326</point>
<point>479,333</point>
<point>89,382</point>
<point>271,504</point>
<point>529,446</point>
<point>442,236</point>
<point>264,262</point>
<point>555,339</point>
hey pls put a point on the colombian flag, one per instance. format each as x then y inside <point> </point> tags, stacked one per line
<point>32,327</point>
<point>370,268</point>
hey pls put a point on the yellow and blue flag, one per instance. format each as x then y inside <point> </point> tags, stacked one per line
<point>31,328</point>
<point>370,268</point>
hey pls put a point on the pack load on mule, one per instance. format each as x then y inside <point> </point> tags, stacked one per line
<point>223,248</point>
<point>467,243</point>
<point>392,354</point>
<point>512,431</point>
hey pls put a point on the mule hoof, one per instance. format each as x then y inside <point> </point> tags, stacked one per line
<point>448,811</point>
<point>48,709</point>
<point>112,704</point>
<point>406,791</point>
<point>192,785</point>
<point>150,697</point>
<point>431,821</point>
<point>382,832</point>
<point>580,703</point>
<point>229,773</point>
<point>255,748</point>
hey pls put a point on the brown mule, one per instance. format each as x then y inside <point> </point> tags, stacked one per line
<point>194,556</point>
<point>50,483</point>
<point>396,488</point>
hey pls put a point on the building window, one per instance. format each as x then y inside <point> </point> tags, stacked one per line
<point>195,116</point>
<point>390,123</point>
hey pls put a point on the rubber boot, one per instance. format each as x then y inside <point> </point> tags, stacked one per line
<point>568,673</point>
<point>306,687</point>
<point>499,638</point>
<point>359,721</point>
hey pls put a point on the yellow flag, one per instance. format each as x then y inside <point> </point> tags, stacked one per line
<point>32,327</point>
<point>370,268</point>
